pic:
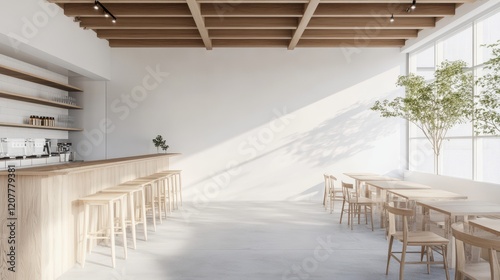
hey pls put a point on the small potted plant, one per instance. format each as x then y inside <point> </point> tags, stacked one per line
<point>164,147</point>
<point>160,143</point>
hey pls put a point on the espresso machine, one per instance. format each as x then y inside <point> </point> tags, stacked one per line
<point>64,151</point>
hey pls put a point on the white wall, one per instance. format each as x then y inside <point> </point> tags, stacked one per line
<point>89,144</point>
<point>40,29</point>
<point>474,190</point>
<point>257,124</point>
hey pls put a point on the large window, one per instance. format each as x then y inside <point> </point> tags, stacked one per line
<point>463,154</point>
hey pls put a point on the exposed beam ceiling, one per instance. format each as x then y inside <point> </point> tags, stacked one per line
<point>259,23</point>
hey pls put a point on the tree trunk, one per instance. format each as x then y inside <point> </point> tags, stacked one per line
<point>436,163</point>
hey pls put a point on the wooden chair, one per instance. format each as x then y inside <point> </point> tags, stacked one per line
<point>331,193</point>
<point>355,203</point>
<point>426,240</point>
<point>480,269</point>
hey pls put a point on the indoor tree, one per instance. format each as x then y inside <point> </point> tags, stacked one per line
<point>436,106</point>
<point>487,105</point>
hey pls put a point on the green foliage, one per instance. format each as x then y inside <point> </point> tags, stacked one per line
<point>160,143</point>
<point>433,107</point>
<point>487,105</point>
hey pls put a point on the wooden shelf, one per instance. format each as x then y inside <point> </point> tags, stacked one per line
<point>37,100</point>
<point>36,79</point>
<point>39,127</point>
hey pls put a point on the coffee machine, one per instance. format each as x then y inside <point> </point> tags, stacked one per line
<point>64,151</point>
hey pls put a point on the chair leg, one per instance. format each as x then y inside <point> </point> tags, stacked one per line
<point>444,248</point>
<point>391,239</point>
<point>402,263</point>
<point>331,204</point>
<point>342,211</point>
<point>428,260</point>
<point>371,215</point>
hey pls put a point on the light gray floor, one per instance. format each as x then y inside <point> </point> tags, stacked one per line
<point>253,240</point>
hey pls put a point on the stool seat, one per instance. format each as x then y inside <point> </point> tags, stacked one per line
<point>106,200</point>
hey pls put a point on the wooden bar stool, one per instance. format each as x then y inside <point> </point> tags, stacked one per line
<point>107,201</point>
<point>177,185</point>
<point>131,190</point>
<point>150,188</point>
<point>163,191</point>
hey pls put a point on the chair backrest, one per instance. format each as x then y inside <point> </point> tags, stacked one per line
<point>327,182</point>
<point>347,190</point>
<point>462,237</point>
<point>333,179</point>
<point>404,213</point>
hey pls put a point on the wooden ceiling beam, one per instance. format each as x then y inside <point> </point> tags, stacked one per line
<point>129,10</point>
<point>308,13</point>
<point>359,34</point>
<point>148,34</point>
<point>356,10</point>
<point>221,43</point>
<point>251,23</point>
<point>250,34</point>
<point>138,23</point>
<point>139,43</point>
<point>200,22</point>
<point>251,10</point>
<point>370,23</point>
<point>351,43</point>
<point>262,1</point>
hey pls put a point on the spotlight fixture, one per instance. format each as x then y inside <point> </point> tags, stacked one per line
<point>413,5</point>
<point>107,13</point>
<point>391,20</point>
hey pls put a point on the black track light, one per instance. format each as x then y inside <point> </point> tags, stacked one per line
<point>391,20</point>
<point>107,13</point>
<point>413,5</point>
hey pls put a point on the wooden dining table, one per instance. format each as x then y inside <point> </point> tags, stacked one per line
<point>453,210</point>
<point>412,195</point>
<point>363,177</point>
<point>487,224</point>
<point>382,187</point>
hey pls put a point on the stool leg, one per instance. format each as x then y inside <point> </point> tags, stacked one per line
<point>158,196</point>
<point>166,197</point>
<point>170,201</point>
<point>144,220</point>
<point>152,197</point>
<point>178,187</point>
<point>85,233</point>
<point>124,226</point>
<point>132,218</point>
<point>112,232</point>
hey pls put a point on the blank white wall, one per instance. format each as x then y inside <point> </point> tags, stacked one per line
<point>257,124</point>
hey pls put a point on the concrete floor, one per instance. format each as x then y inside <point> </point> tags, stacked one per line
<point>253,240</point>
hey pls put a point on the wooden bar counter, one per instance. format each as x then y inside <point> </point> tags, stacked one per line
<point>47,218</point>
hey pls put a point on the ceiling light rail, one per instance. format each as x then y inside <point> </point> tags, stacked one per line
<point>98,5</point>
<point>410,9</point>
